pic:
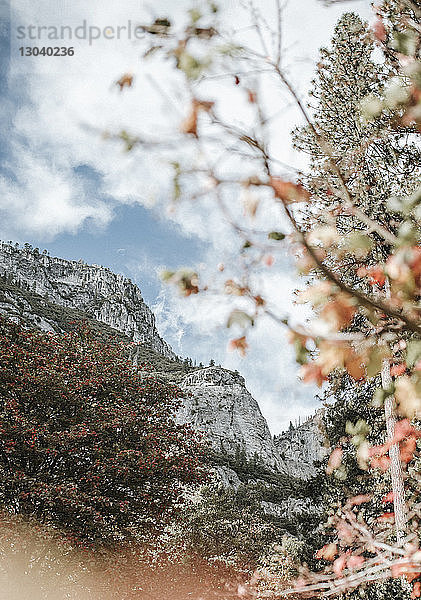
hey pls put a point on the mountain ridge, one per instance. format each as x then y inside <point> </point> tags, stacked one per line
<point>48,293</point>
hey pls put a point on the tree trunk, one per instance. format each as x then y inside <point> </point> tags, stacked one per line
<point>396,472</point>
<point>395,462</point>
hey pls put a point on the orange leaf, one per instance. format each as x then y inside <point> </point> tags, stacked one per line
<point>328,552</point>
<point>287,191</point>
<point>382,463</point>
<point>414,575</point>
<point>397,370</point>
<point>312,372</point>
<point>416,590</point>
<point>387,516</point>
<point>407,449</point>
<point>355,367</point>
<point>125,81</point>
<point>239,344</point>
<point>375,274</point>
<point>189,125</point>
<point>388,498</point>
<point>338,312</point>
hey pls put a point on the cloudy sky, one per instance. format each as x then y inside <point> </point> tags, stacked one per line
<point>64,188</point>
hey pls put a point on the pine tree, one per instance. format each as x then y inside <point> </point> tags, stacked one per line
<point>375,158</point>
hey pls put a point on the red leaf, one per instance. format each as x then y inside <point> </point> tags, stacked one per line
<point>416,590</point>
<point>387,516</point>
<point>288,191</point>
<point>388,498</point>
<point>407,449</point>
<point>375,274</point>
<point>397,370</point>
<point>379,30</point>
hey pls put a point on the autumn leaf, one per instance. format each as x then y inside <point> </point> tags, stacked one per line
<point>382,463</point>
<point>312,373</point>
<point>287,191</point>
<point>339,311</point>
<point>387,516</point>
<point>376,275</point>
<point>416,591</point>
<point>189,125</point>
<point>360,499</point>
<point>239,344</point>
<point>355,366</point>
<point>125,81</point>
<point>339,564</point>
<point>407,449</point>
<point>388,498</point>
<point>251,96</point>
<point>233,288</point>
<point>346,533</point>
<point>397,370</point>
<point>328,552</point>
<point>379,30</point>
<point>355,562</point>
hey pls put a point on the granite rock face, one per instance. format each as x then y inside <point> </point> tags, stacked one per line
<point>103,295</point>
<point>219,404</point>
<point>217,401</point>
<point>301,449</point>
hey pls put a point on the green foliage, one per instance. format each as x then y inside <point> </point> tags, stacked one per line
<point>227,525</point>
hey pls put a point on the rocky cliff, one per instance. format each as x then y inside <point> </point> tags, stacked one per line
<point>105,296</point>
<point>301,449</point>
<point>48,292</point>
<point>219,404</point>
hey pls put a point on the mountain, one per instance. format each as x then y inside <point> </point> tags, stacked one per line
<point>104,296</point>
<point>50,293</point>
<point>301,449</point>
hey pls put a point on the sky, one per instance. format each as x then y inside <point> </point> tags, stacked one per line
<point>64,187</point>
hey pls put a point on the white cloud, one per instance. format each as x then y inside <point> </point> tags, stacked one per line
<point>66,102</point>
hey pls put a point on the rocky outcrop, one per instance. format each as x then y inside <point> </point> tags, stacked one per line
<point>303,448</point>
<point>46,292</point>
<point>103,295</point>
<point>219,404</point>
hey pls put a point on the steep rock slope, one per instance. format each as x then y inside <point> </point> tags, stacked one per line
<point>219,404</point>
<point>303,448</point>
<point>48,293</point>
<point>105,296</point>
